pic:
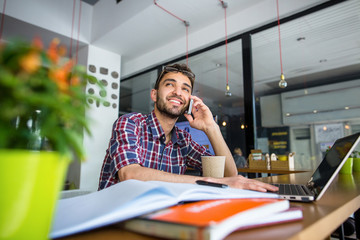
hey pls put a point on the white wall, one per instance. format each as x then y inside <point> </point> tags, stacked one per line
<point>237,23</point>
<point>102,117</point>
<point>52,15</point>
<point>333,102</point>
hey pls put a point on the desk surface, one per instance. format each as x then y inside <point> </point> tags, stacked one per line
<point>321,218</point>
<point>275,171</point>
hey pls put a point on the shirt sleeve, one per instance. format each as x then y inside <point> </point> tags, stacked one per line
<point>124,143</point>
<point>195,151</point>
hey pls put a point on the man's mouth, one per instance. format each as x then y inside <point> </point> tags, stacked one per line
<point>176,101</point>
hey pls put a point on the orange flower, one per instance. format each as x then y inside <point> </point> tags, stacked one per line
<point>62,50</point>
<point>75,81</point>
<point>52,51</point>
<point>30,62</point>
<point>60,75</point>
<point>37,43</point>
<point>68,66</point>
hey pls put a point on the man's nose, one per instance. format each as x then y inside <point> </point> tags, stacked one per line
<point>178,91</point>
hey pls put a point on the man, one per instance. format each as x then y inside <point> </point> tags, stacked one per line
<point>151,147</point>
<point>240,160</point>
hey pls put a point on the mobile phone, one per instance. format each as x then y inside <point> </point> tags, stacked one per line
<point>211,184</point>
<point>190,106</point>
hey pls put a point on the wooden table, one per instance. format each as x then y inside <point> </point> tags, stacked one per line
<point>258,171</point>
<point>321,218</point>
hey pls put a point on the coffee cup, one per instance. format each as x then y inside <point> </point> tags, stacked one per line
<point>213,166</point>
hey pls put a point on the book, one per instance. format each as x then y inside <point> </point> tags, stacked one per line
<point>132,198</point>
<point>212,219</point>
<point>290,215</point>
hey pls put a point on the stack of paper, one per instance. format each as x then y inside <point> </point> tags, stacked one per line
<point>133,198</point>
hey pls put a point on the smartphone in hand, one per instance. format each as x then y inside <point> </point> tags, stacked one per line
<point>190,106</point>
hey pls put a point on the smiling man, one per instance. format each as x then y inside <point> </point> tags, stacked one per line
<point>151,147</point>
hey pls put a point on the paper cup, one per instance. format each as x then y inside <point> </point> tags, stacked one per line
<point>213,166</point>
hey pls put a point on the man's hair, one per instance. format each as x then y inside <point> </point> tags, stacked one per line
<point>182,68</point>
<point>237,150</point>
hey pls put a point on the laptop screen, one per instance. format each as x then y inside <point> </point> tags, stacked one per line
<point>341,149</point>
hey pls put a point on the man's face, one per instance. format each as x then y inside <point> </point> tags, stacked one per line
<point>173,95</point>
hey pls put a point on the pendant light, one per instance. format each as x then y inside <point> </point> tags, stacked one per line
<point>282,83</point>
<point>227,92</point>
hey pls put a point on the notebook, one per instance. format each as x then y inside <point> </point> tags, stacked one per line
<point>325,173</point>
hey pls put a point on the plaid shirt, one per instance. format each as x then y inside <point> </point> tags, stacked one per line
<point>139,139</point>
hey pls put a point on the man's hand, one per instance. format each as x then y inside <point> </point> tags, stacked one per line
<point>203,118</point>
<point>135,171</point>
<point>244,183</point>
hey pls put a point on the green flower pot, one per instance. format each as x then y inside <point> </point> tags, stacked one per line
<point>356,165</point>
<point>30,182</point>
<point>347,167</point>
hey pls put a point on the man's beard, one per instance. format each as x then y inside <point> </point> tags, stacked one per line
<point>169,112</point>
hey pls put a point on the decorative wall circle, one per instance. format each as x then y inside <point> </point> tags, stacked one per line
<point>104,82</point>
<point>92,80</point>
<point>114,74</point>
<point>91,91</point>
<point>104,71</point>
<point>115,85</point>
<point>114,96</point>
<point>92,68</point>
<point>102,93</point>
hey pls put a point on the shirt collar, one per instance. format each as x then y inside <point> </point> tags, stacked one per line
<point>156,129</point>
<point>154,125</point>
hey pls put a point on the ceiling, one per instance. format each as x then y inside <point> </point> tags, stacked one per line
<point>141,26</point>
<point>91,2</point>
<point>316,48</point>
<point>320,48</point>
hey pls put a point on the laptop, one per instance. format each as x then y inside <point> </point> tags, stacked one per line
<point>325,173</point>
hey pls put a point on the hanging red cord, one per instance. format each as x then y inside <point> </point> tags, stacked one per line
<point>72,29</point>
<point>278,17</point>
<point>227,93</point>
<point>187,44</point>
<point>169,12</point>
<point>2,19</point>
<point>226,50</point>
<point>282,83</point>
<point>187,24</point>
<point>78,36</point>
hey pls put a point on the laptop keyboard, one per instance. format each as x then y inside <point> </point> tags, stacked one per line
<point>292,189</point>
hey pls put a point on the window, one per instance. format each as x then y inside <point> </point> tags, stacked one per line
<point>320,61</point>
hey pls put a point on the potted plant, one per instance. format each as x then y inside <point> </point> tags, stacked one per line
<point>42,120</point>
<point>356,161</point>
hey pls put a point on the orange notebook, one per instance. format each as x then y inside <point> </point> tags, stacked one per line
<point>212,219</point>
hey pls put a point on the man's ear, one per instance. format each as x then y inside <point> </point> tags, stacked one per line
<point>153,95</point>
